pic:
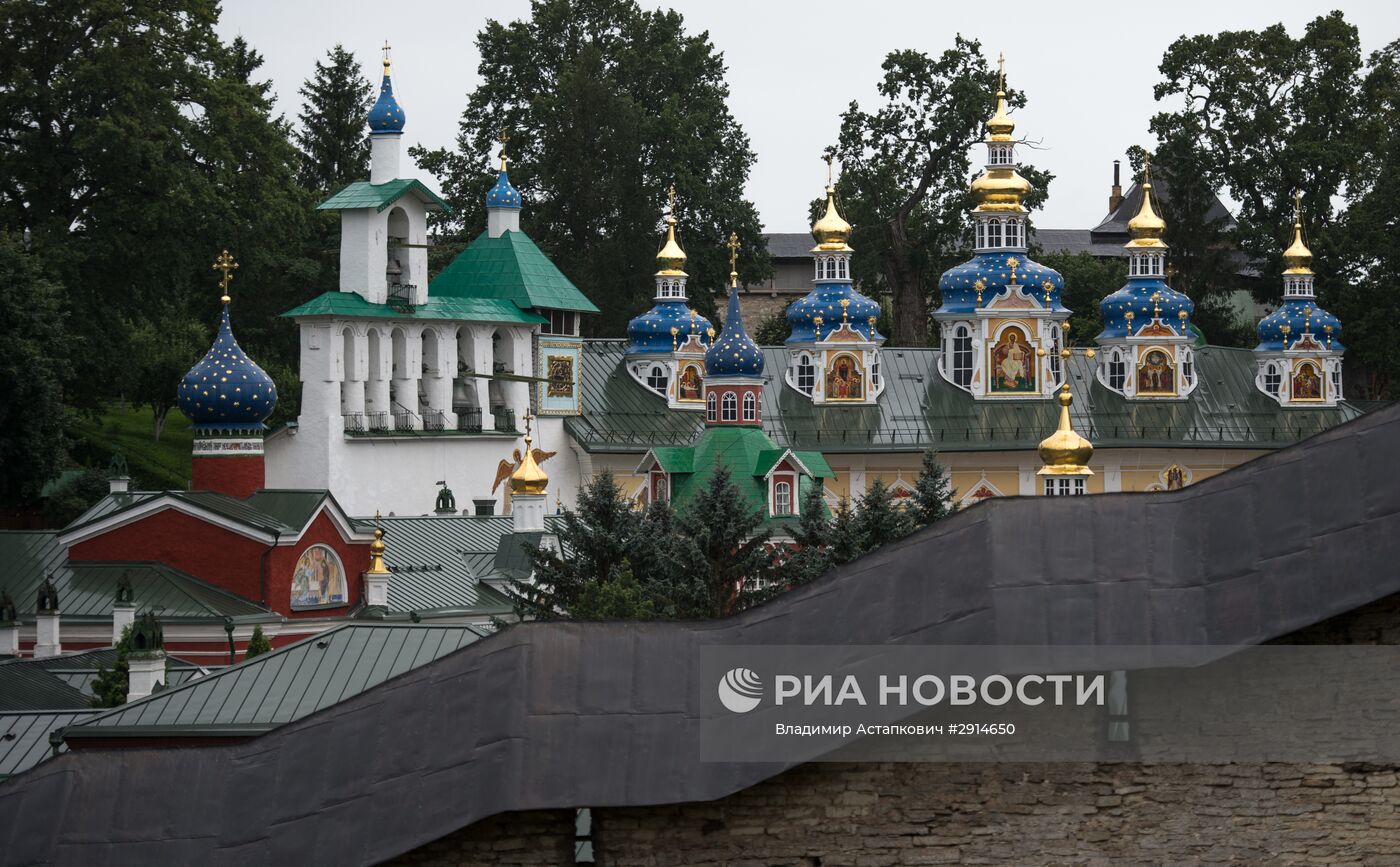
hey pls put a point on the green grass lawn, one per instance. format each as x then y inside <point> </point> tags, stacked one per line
<point>154,465</point>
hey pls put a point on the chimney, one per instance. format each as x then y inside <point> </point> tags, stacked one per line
<point>118,476</point>
<point>123,609</point>
<point>146,660</point>
<point>1115,196</point>
<point>9,625</point>
<point>46,637</point>
<point>484,508</point>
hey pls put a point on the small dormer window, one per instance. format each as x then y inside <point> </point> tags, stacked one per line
<point>806,374</point>
<point>962,355</point>
<point>657,379</point>
<point>1273,379</point>
<point>782,497</point>
<point>1117,370</point>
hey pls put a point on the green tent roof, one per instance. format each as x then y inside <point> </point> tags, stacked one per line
<point>509,268</point>
<point>748,454</point>
<point>350,304</point>
<point>363,194</point>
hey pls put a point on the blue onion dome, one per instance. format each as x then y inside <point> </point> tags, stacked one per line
<point>1299,313</point>
<point>227,390</point>
<point>650,333</point>
<point>987,274</point>
<point>824,302</point>
<point>733,354</point>
<point>503,194</point>
<point>1146,295</point>
<point>386,116</point>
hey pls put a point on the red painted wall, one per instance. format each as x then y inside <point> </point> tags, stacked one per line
<point>226,559</point>
<point>238,476</point>
<point>720,389</point>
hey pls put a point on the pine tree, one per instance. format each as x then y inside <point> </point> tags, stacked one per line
<point>257,644</point>
<point>879,520</point>
<point>933,492</point>
<point>662,557</point>
<point>110,687</point>
<point>597,536</point>
<point>845,538</point>
<point>332,139</point>
<point>734,563</point>
<point>811,557</point>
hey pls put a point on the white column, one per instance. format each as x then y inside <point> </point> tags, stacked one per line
<point>118,484</point>
<point>528,510</point>
<point>122,617</point>
<point>46,637</point>
<point>377,589</point>
<point>439,385</point>
<point>482,360</point>
<point>384,157</point>
<point>9,639</point>
<point>146,671</point>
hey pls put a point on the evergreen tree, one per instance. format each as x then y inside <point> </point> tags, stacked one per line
<point>34,363</point>
<point>110,687</point>
<point>606,105</point>
<point>933,492</point>
<point>332,136</point>
<point>879,520</point>
<point>734,563</point>
<point>662,558</point>
<point>811,557</point>
<point>596,536</point>
<point>257,644</point>
<point>845,537</point>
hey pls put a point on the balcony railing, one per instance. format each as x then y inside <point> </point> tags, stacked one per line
<point>468,418</point>
<point>434,419</point>
<point>355,422</point>
<point>401,297</point>
<point>377,420</point>
<point>505,419</point>
<point>405,420</point>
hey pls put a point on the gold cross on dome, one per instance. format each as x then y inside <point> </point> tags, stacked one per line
<point>503,138</point>
<point>386,53</point>
<point>1146,167</point>
<point>1001,70</point>
<point>828,169</point>
<point>671,199</point>
<point>1298,206</point>
<point>225,264</point>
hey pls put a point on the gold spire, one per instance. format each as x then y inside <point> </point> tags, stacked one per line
<point>831,231</point>
<point>528,478</point>
<point>386,57</point>
<point>1000,126</point>
<point>671,259</point>
<point>503,138</point>
<point>226,264</point>
<point>1064,452</point>
<point>1147,228</point>
<point>376,550</point>
<point>1297,258</point>
<point>733,246</point>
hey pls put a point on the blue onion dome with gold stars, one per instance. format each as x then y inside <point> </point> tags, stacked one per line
<point>503,194</point>
<point>1299,313</point>
<point>1146,295</point>
<point>227,390</point>
<point>821,311</point>
<point>672,320</point>
<point>733,354</point>
<point>972,285</point>
<point>386,116</point>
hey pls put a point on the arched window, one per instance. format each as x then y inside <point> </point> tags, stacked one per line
<point>994,233</point>
<point>657,378</point>
<point>750,407</point>
<point>1336,382</point>
<point>1188,367</point>
<point>729,407</point>
<point>782,498</point>
<point>1055,353</point>
<point>844,266</point>
<point>962,356</point>
<point>710,407</point>
<point>1013,233</point>
<point>1273,378</point>
<point>1117,370</point>
<point>875,373</point>
<point>806,374</point>
<point>981,234</point>
<point>831,269</point>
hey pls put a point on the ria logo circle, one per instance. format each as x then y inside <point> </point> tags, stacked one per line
<point>740,690</point>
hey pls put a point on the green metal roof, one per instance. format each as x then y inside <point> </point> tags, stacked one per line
<point>24,738</point>
<point>276,688</point>
<point>747,452</point>
<point>350,304</point>
<point>673,459</point>
<point>25,686</point>
<point>919,409</point>
<point>511,268</point>
<point>512,558</point>
<point>79,670</point>
<point>86,590</point>
<point>363,194</point>
<point>440,561</point>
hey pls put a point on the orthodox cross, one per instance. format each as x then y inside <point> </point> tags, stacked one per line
<point>828,170</point>
<point>503,138</point>
<point>225,264</point>
<point>1146,167</point>
<point>1001,70</point>
<point>386,55</point>
<point>671,200</point>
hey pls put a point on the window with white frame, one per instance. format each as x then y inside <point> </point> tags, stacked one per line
<point>962,356</point>
<point>806,374</point>
<point>875,373</point>
<point>729,407</point>
<point>1063,486</point>
<point>1013,233</point>
<point>1336,378</point>
<point>1273,378</point>
<point>1117,370</point>
<point>981,234</point>
<point>657,378</point>
<point>750,407</point>
<point>994,233</point>
<point>1188,367</point>
<point>782,498</point>
<point>710,407</point>
<point>1055,370</point>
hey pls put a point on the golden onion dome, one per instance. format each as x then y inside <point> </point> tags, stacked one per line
<point>529,477</point>
<point>376,550</point>
<point>1000,126</point>
<point>1001,189</point>
<point>831,231</point>
<point>671,259</point>
<point>1297,258</point>
<point>1065,452</point>
<point>1147,228</point>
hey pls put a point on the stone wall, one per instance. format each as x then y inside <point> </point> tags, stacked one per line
<point>1048,813</point>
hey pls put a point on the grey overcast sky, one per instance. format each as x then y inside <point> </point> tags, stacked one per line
<point>1088,69</point>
